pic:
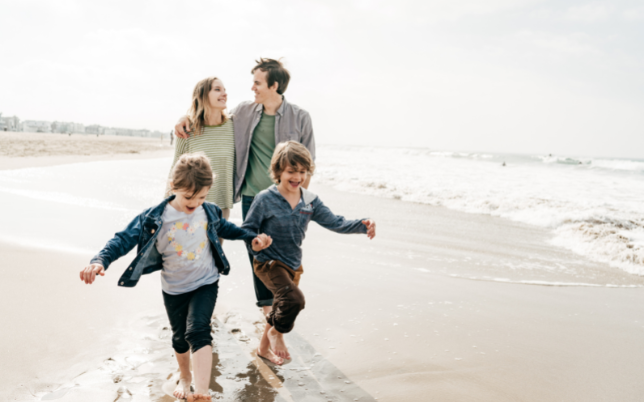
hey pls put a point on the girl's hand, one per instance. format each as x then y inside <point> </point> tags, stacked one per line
<point>371,228</point>
<point>261,242</point>
<point>88,274</point>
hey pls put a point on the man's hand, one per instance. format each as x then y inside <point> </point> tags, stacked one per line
<point>371,228</point>
<point>261,242</point>
<point>182,128</point>
<point>88,274</point>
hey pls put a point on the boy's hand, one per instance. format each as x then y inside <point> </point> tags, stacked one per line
<point>261,242</point>
<point>88,274</point>
<point>371,228</point>
<point>182,128</point>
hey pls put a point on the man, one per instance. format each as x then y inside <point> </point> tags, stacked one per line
<point>259,126</point>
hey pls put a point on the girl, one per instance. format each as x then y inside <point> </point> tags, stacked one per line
<point>180,238</point>
<point>212,133</point>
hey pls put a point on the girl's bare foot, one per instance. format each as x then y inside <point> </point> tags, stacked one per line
<point>278,346</point>
<point>270,356</point>
<point>183,388</point>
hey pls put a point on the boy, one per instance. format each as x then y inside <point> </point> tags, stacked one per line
<point>283,212</point>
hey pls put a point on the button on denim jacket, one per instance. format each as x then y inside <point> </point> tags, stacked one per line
<point>143,231</point>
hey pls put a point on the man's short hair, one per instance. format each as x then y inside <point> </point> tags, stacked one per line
<point>275,72</point>
<point>290,153</point>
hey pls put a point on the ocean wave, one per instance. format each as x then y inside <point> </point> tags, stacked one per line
<point>596,215</point>
<point>618,164</point>
<point>561,160</point>
<point>596,163</point>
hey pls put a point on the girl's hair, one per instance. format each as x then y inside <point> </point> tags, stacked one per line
<point>192,172</point>
<point>200,105</point>
<point>290,153</point>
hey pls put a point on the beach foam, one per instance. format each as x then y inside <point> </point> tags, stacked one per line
<point>593,206</point>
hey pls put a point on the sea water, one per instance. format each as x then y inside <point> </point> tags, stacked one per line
<point>77,207</point>
<point>593,206</point>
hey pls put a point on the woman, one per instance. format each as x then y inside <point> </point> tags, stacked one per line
<point>212,133</point>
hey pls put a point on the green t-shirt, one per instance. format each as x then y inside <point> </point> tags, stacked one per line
<point>261,151</point>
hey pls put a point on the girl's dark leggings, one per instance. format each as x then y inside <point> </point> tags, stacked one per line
<point>190,314</point>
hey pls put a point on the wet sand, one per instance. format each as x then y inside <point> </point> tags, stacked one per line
<point>384,319</point>
<point>389,315</point>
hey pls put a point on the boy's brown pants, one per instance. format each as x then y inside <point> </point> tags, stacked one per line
<point>288,299</point>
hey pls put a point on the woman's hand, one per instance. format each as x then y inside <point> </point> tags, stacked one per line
<point>261,242</point>
<point>182,128</point>
<point>371,228</point>
<point>88,274</point>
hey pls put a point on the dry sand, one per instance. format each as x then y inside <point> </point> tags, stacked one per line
<point>384,319</point>
<point>21,150</point>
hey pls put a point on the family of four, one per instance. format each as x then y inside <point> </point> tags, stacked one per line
<point>261,154</point>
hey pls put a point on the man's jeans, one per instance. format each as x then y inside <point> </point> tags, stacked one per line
<point>264,296</point>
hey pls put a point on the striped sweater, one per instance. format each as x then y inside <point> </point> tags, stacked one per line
<point>218,143</point>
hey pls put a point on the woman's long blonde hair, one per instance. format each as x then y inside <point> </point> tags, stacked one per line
<point>200,105</point>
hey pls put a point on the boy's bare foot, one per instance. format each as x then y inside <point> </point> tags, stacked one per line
<point>202,396</point>
<point>278,346</point>
<point>183,388</point>
<point>270,356</point>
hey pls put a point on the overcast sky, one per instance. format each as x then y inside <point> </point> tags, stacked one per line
<point>525,76</point>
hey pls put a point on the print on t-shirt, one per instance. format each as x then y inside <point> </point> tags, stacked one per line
<point>182,229</point>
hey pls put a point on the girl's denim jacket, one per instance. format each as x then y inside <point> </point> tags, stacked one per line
<point>143,231</point>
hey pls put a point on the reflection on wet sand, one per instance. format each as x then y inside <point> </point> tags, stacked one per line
<point>145,370</point>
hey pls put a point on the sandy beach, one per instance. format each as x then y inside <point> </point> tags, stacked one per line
<point>425,312</point>
<point>21,150</point>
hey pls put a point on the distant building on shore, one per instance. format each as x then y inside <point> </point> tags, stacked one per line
<point>13,123</point>
<point>36,126</point>
<point>67,127</point>
<point>95,129</point>
<point>9,123</point>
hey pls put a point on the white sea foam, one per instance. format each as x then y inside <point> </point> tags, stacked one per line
<point>596,212</point>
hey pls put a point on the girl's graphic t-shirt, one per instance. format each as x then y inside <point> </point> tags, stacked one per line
<point>187,258</point>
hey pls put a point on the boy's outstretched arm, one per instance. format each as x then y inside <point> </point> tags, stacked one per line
<point>327,219</point>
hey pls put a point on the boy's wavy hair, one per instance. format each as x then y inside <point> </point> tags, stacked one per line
<point>192,173</point>
<point>290,153</point>
<point>275,72</point>
<point>200,105</point>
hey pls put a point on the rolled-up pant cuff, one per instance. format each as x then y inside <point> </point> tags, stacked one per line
<point>196,345</point>
<point>181,349</point>
<point>263,303</point>
<point>279,328</point>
